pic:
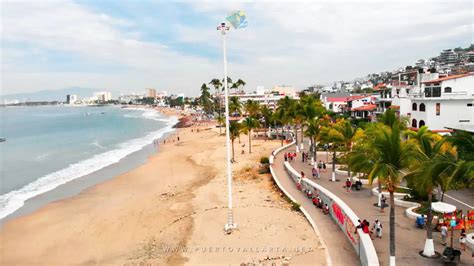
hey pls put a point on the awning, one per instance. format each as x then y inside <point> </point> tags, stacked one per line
<point>442,207</point>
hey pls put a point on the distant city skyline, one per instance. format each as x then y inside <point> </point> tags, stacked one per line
<point>125,46</point>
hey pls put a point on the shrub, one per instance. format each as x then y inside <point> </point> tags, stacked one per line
<point>265,160</point>
<point>295,206</point>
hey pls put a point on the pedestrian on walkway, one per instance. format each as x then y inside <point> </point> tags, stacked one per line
<point>302,174</point>
<point>324,166</point>
<point>444,233</point>
<point>378,228</point>
<point>302,157</point>
<point>286,156</point>
<point>314,171</point>
<point>348,185</point>
<point>320,165</point>
<point>326,209</point>
<point>462,239</point>
<point>382,203</point>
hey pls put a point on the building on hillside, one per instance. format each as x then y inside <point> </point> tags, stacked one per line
<point>71,99</point>
<point>150,93</point>
<point>446,102</point>
<point>362,106</point>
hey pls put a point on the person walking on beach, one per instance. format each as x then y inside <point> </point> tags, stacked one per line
<point>444,233</point>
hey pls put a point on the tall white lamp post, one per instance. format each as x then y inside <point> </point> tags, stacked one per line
<point>230,219</point>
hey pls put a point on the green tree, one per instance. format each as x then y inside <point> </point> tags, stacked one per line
<point>205,98</point>
<point>266,117</point>
<point>248,125</point>
<point>386,158</point>
<point>234,132</point>
<point>313,131</point>
<point>235,106</point>
<point>216,83</point>
<point>252,108</point>
<point>332,137</point>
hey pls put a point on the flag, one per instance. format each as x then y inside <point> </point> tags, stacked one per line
<point>237,19</point>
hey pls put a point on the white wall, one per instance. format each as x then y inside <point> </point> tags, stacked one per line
<point>451,112</point>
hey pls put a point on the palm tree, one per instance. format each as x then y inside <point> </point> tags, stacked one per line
<point>387,157</point>
<point>437,166</point>
<point>252,108</point>
<point>331,136</point>
<point>266,116</point>
<point>248,125</point>
<point>239,83</point>
<point>313,131</point>
<point>347,135</point>
<point>221,122</point>
<point>278,117</point>
<point>235,106</point>
<point>229,83</point>
<point>234,132</point>
<point>205,98</point>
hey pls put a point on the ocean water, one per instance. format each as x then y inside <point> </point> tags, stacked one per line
<point>49,146</point>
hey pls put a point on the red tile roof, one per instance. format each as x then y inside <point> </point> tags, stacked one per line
<point>447,78</point>
<point>380,86</point>
<point>368,107</point>
<point>394,107</point>
<point>345,99</point>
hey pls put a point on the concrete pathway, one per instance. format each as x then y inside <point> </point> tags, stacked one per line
<point>340,250</point>
<point>409,240</point>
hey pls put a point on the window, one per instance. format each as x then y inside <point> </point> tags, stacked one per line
<point>413,123</point>
<point>448,90</point>
<point>436,92</point>
<point>422,107</point>
<point>422,123</point>
<point>413,106</point>
<point>438,108</point>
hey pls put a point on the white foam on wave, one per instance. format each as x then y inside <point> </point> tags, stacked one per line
<point>12,201</point>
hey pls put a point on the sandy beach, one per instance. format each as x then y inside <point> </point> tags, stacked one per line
<point>170,210</point>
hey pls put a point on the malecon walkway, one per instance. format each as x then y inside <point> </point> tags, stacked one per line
<point>409,240</point>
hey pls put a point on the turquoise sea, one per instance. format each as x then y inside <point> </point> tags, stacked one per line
<point>49,146</point>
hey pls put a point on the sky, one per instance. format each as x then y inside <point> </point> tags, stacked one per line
<point>127,46</point>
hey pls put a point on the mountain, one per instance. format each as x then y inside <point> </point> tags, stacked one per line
<point>49,95</point>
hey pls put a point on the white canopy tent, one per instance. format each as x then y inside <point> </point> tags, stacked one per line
<point>442,207</point>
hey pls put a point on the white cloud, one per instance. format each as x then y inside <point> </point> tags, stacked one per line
<point>298,42</point>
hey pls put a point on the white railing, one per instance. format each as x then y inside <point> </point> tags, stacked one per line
<point>343,216</point>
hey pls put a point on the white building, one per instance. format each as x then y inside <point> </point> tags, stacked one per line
<point>445,102</point>
<point>103,96</point>
<point>266,98</point>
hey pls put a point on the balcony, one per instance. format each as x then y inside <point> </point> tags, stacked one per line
<point>460,95</point>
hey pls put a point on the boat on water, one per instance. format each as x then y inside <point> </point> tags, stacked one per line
<point>3,139</point>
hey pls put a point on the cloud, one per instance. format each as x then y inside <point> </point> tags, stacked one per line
<point>53,44</point>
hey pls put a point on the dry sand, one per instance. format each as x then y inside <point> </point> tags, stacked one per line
<point>177,200</point>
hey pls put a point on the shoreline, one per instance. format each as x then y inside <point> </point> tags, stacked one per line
<point>77,185</point>
<point>174,199</point>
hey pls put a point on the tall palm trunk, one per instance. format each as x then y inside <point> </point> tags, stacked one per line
<point>250,141</point>
<point>315,151</point>
<point>281,137</point>
<point>233,154</point>
<point>302,137</point>
<point>392,227</point>
<point>296,137</point>
<point>429,245</point>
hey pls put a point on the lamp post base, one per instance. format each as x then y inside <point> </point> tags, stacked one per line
<point>230,225</point>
